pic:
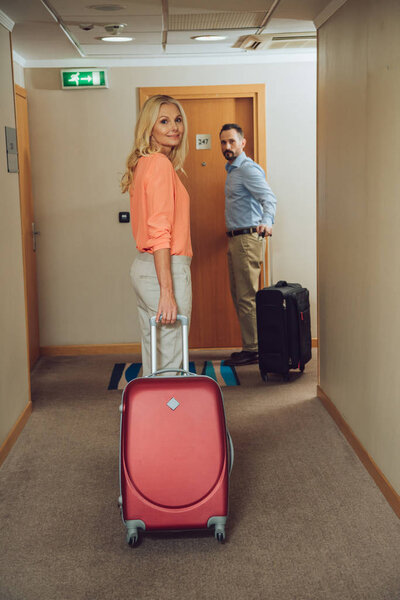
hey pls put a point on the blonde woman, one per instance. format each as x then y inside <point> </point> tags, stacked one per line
<point>160,217</point>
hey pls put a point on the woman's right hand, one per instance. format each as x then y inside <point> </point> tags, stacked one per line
<point>167,304</point>
<point>167,307</point>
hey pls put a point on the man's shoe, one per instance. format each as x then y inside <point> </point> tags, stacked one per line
<point>236,354</point>
<point>242,358</point>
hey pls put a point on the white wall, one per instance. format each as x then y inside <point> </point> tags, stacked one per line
<point>14,384</point>
<point>79,143</point>
<point>359,223</point>
<point>19,76</point>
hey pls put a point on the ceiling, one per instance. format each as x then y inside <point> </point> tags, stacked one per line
<point>65,30</point>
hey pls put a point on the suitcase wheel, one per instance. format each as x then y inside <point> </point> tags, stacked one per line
<point>132,538</point>
<point>219,532</point>
<point>219,526</point>
<point>264,377</point>
<point>132,535</point>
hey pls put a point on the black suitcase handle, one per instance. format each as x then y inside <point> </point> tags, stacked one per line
<point>281,283</point>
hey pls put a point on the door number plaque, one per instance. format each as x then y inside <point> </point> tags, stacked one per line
<point>203,141</point>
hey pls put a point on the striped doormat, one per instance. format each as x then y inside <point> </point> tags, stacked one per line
<point>122,373</point>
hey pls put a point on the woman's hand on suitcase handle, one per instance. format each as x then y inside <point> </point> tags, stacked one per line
<point>167,308</point>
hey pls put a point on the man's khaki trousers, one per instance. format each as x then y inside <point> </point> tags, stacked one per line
<point>147,289</point>
<point>244,258</point>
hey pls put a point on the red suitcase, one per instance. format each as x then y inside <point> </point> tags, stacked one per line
<point>175,450</point>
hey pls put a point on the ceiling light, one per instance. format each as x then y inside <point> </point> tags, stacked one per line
<point>209,38</point>
<point>116,38</point>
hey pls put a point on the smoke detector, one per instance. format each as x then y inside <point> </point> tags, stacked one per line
<point>115,29</point>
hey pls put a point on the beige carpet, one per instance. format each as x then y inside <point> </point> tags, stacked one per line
<point>306,521</point>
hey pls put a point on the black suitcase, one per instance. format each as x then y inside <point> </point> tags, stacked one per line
<point>284,328</point>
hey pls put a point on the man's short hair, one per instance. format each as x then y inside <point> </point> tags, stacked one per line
<point>228,126</point>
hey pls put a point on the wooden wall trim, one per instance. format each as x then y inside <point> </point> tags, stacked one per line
<point>244,90</point>
<point>94,349</point>
<point>317,205</point>
<point>80,350</point>
<point>15,431</point>
<point>387,490</point>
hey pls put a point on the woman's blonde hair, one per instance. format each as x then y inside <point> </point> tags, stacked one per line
<point>143,145</point>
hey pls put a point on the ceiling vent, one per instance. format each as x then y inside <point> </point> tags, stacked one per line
<point>106,7</point>
<point>215,21</point>
<point>277,41</point>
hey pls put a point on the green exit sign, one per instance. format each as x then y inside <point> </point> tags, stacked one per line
<point>72,79</point>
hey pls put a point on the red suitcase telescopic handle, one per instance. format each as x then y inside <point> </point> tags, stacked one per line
<point>185,344</point>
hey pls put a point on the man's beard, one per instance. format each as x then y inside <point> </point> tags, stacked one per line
<point>228,154</point>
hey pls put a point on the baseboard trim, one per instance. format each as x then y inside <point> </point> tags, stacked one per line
<point>387,490</point>
<point>94,349</point>
<point>15,431</point>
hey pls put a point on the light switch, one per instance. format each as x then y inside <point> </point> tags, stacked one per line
<point>124,217</point>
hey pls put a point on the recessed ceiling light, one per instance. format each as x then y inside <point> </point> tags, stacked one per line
<point>209,38</point>
<point>116,38</point>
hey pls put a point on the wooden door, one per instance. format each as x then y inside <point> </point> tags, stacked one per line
<point>214,322</point>
<point>27,224</point>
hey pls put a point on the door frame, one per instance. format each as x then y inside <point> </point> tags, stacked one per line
<point>31,295</point>
<point>254,91</point>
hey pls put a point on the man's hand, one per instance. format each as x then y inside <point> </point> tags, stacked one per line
<point>264,230</point>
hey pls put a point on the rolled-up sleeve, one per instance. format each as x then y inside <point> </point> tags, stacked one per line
<point>160,207</point>
<point>153,205</point>
<point>254,181</point>
<point>159,192</point>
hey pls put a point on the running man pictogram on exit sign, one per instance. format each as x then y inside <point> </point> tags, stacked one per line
<point>73,79</point>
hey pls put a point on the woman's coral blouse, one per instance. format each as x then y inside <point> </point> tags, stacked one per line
<point>160,207</point>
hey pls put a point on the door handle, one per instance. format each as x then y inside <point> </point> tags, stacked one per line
<point>34,234</point>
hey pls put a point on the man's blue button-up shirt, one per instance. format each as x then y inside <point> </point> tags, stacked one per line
<point>249,200</point>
